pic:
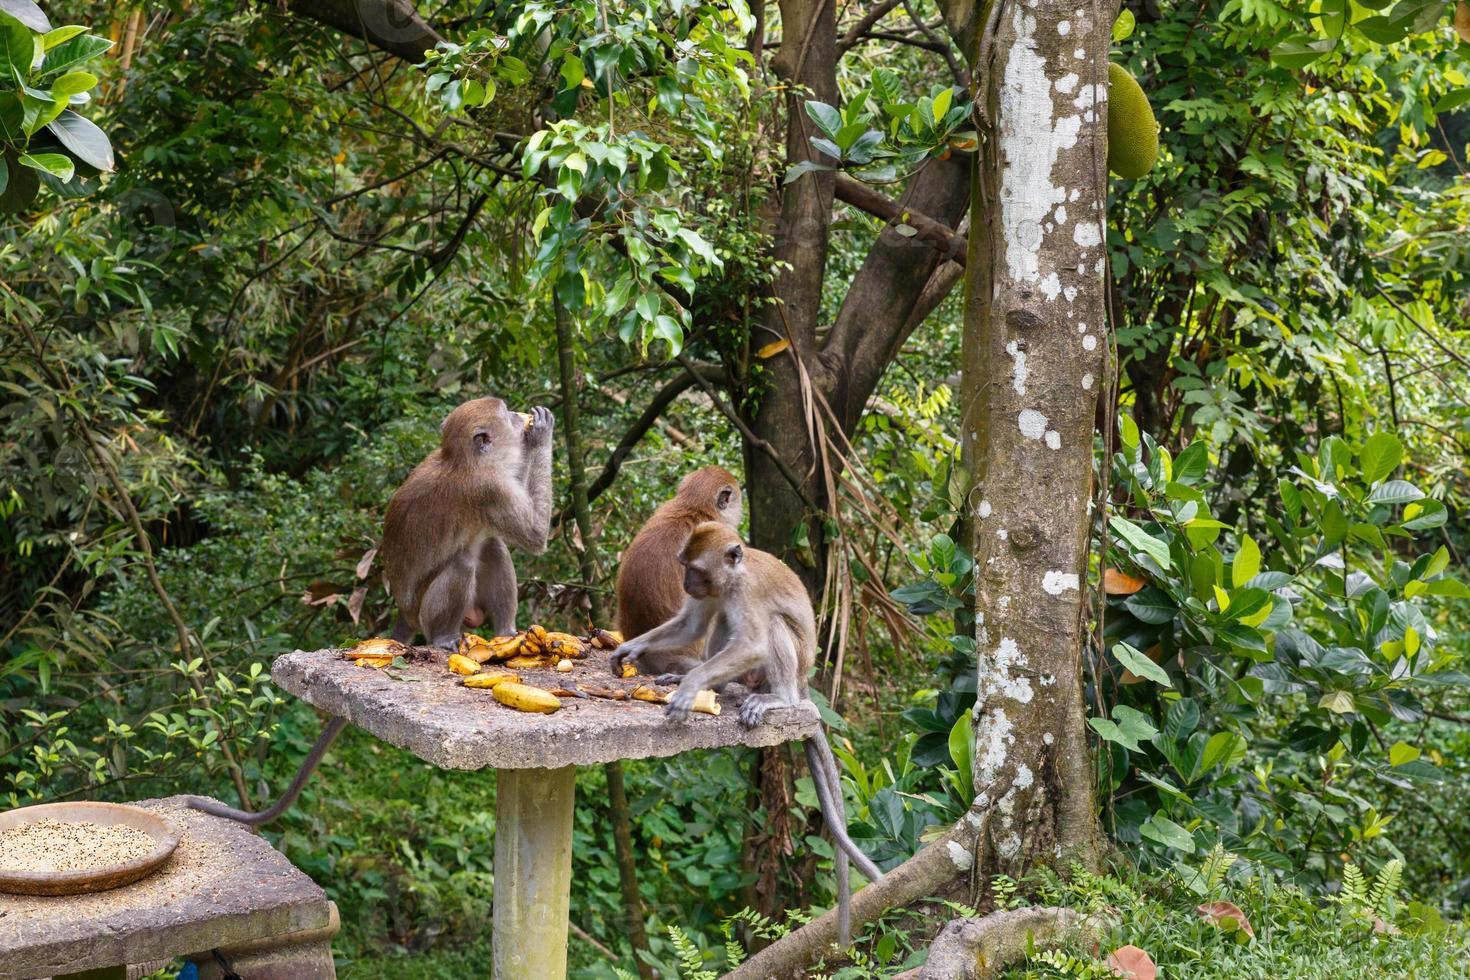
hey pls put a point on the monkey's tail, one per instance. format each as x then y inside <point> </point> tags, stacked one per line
<point>313,759</point>
<point>829,794</point>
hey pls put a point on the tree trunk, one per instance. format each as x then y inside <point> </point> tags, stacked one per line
<point>586,550</point>
<point>807,63</point>
<point>1034,354</point>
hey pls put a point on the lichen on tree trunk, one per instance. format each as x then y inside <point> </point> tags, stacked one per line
<point>1034,357</point>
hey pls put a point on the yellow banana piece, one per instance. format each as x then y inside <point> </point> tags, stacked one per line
<point>529,663</point>
<point>705,702</point>
<point>460,664</point>
<point>524,697</point>
<point>490,678</point>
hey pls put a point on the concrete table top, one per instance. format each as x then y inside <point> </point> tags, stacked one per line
<point>224,886</point>
<point>423,708</point>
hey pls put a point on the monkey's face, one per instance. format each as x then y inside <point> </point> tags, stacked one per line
<point>710,571</point>
<point>481,428</point>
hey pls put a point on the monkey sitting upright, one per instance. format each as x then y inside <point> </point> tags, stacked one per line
<point>444,539</point>
<point>649,572</point>
<point>753,617</point>
<point>444,552</point>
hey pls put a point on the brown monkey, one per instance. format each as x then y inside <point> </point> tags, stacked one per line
<point>444,540</point>
<point>752,616</point>
<point>444,543</point>
<point>649,573</point>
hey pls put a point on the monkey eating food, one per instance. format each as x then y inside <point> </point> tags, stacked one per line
<point>649,572</point>
<point>752,617</point>
<point>444,543</point>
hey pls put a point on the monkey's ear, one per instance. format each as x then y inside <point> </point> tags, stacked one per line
<point>723,498</point>
<point>734,554</point>
<point>442,423</point>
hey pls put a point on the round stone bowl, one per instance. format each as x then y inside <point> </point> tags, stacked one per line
<point>102,877</point>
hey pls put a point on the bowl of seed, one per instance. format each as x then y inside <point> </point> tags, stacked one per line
<point>70,848</point>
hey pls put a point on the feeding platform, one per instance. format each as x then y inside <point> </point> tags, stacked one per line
<point>423,708</point>
<point>224,888</point>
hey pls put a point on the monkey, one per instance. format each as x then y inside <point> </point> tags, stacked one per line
<point>445,535</point>
<point>648,592</point>
<point>753,617</point>
<point>444,543</point>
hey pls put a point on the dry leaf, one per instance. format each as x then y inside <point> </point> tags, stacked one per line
<point>1120,583</point>
<point>1226,915</point>
<point>354,604</point>
<point>321,593</point>
<point>773,348</point>
<point>1132,963</point>
<point>365,564</point>
<point>1381,928</point>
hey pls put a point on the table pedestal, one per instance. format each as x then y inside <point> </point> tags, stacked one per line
<point>533,871</point>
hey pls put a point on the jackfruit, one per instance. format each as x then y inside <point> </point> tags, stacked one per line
<point>1133,133</point>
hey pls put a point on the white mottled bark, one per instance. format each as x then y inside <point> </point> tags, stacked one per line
<point>1035,342</point>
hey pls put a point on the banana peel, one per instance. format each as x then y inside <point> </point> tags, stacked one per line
<point>378,651</point>
<point>605,639</point>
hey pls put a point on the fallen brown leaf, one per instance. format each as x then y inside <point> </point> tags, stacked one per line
<point>1132,963</point>
<point>1223,914</point>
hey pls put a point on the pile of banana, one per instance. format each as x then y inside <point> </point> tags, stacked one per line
<point>533,648</point>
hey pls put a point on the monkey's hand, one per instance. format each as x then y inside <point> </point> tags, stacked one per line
<point>542,422</point>
<point>627,652</point>
<point>668,680</point>
<point>680,702</point>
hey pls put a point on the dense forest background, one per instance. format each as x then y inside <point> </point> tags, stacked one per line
<point>220,359</point>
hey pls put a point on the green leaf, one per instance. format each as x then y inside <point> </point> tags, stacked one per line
<point>1137,662</point>
<point>71,53</point>
<point>1162,830</point>
<point>21,188</point>
<point>1152,606</point>
<point>1301,50</point>
<point>1247,562</point>
<point>1452,100</point>
<point>17,48</point>
<point>27,13</point>
<point>1381,455</point>
<point>1338,702</point>
<point>1425,515</point>
<point>1141,540</point>
<point>1450,587</point>
<point>828,119</point>
<point>1130,725</point>
<point>1402,752</point>
<point>71,83</point>
<point>83,139</point>
<point>56,164</point>
<point>1123,26</point>
<point>1395,492</point>
<point>60,34</point>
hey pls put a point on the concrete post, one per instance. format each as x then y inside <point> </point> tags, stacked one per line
<point>533,871</point>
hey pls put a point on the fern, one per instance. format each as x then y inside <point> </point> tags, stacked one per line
<point>1383,896</point>
<point>1354,891</point>
<point>623,974</point>
<point>1056,963</point>
<point>691,958</point>
<point>1211,873</point>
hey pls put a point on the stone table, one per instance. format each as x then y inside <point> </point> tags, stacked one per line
<point>423,708</point>
<point>225,888</point>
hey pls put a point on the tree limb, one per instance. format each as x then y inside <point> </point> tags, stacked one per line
<point>979,948</point>
<point>865,198</point>
<point>393,26</point>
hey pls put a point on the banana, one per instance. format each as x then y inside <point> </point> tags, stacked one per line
<point>378,646</point>
<point>460,664</point>
<point>524,697</point>
<point>529,663</point>
<point>629,670</point>
<point>605,639</point>
<point>564,667</point>
<point>377,663</point>
<point>490,678</point>
<point>705,702</point>
<point>651,694</point>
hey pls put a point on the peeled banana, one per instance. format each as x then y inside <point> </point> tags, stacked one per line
<point>491,678</point>
<point>524,697</point>
<point>460,664</point>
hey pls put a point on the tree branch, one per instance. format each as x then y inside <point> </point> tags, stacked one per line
<point>866,198</point>
<point>393,26</point>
